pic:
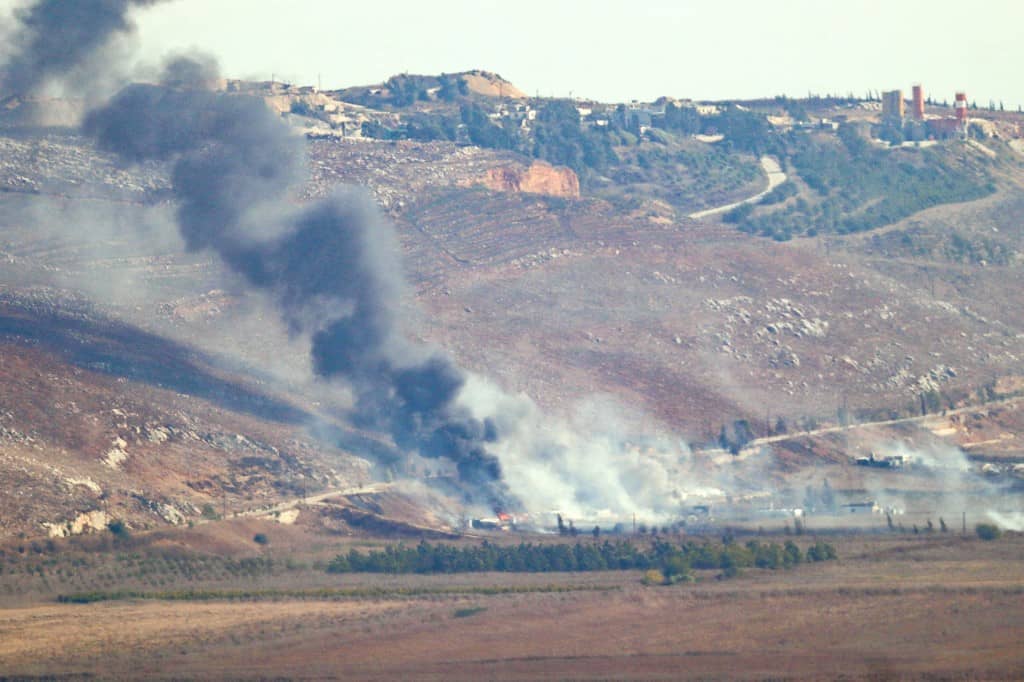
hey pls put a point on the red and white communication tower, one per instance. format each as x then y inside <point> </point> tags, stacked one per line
<point>960,108</point>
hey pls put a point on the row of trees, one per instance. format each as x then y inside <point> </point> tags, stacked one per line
<point>671,559</point>
<point>744,130</point>
<point>557,136</point>
<point>404,90</point>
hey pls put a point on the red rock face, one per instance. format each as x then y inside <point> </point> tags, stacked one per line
<point>539,178</point>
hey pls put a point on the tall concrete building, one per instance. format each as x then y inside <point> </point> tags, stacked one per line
<point>892,105</point>
<point>918,103</point>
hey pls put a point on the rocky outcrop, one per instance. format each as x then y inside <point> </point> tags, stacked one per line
<point>539,178</point>
<point>86,521</point>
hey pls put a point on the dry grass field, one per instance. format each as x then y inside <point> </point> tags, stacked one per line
<point>900,606</point>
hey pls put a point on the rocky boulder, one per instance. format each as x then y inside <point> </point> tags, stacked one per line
<point>538,178</point>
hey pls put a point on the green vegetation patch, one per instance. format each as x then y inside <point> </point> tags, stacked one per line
<point>988,531</point>
<point>673,560</point>
<point>686,174</point>
<point>857,187</point>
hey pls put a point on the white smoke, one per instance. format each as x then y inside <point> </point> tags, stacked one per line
<point>1008,520</point>
<point>592,464</point>
<point>940,458</point>
<point>960,486</point>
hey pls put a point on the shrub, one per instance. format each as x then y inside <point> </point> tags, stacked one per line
<point>653,577</point>
<point>469,611</point>
<point>730,570</point>
<point>821,551</point>
<point>302,108</point>
<point>988,531</point>
<point>791,555</point>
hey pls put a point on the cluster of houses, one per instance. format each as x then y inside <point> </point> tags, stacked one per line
<point>324,114</point>
<point>635,114</point>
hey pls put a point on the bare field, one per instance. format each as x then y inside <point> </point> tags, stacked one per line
<point>893,606</point>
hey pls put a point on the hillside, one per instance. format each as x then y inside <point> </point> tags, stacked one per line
<point>104,421</point>
<point>152,383</point>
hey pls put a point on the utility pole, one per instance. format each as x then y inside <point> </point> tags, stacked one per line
<point>964,526</point>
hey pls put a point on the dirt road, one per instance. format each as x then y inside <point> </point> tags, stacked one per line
<point>720,455</point>
<point>316,498</point>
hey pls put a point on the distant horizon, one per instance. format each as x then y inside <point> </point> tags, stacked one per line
<point>872,95</point>
<point>611,51</point>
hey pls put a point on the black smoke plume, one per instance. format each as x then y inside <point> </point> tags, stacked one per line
<point>53,37</point>
<point>333,265</point>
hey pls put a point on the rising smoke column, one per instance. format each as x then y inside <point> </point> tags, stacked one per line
<point>52,37</point>
<point>333,265</point>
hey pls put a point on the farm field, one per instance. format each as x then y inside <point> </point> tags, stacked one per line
<point>926,606</point>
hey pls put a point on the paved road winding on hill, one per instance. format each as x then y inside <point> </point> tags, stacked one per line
<point>776,177</point>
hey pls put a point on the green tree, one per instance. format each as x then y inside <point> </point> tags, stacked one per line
<point>810,498</point>
<point>560,140</point>
<point>684,120</point>
<point>745,130</point>
<point>828,497</point>
<point>988,531</point>
<point>482,131</point>
<point>730,568</point>
<point>675,568</point>
<point>733,437</point>
<point>791,555</point>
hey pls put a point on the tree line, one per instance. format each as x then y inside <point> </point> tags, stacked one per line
<point>672,559</point>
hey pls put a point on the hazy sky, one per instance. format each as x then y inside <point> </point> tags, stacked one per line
<point>612,51</point>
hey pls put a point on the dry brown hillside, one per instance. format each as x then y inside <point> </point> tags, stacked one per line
<point>491,85</point>
<point>183,389</point>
